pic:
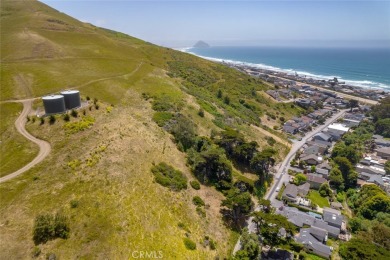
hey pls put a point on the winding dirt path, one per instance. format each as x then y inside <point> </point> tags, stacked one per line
<point>44,147</point>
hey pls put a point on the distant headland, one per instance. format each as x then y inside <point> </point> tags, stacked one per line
<point>201,44</point>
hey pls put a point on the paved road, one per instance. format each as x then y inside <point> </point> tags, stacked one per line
<point>44,147</point>
<point>281,175</point>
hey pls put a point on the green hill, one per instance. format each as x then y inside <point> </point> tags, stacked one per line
<point>99,170</point>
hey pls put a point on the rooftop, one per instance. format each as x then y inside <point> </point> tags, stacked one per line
<point>339,127</point>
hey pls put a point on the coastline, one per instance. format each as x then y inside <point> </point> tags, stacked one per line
<point>273,75</point>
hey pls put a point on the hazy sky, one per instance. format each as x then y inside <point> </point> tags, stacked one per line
<point>182,23</point>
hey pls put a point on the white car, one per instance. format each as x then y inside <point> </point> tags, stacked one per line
<point>277,189</point>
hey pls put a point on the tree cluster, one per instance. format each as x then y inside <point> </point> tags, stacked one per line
<point>381,116</point>
<point>48,227</point>
<point>343,174</point>
<point>268,225</point>
<point>168,176</point>
<point>369,202</point>
<point>246,154</point>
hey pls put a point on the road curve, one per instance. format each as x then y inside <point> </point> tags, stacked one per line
<point>44,147</point>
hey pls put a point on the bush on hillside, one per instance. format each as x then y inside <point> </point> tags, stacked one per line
<point>161,118</point>
<point>195,185</point>
<point>52,119</point>
<point>66,117</point>
<point>74,113</point>
<point>48,227</point>
<point>198,201</point>
<point>190,245</point>
<point>168,176</point>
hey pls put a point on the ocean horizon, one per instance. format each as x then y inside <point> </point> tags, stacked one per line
<point>362,67</point>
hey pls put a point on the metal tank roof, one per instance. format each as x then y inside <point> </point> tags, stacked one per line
<point>53,97</point>
<point>69,92</point>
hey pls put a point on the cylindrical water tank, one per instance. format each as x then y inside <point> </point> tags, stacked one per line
<point>54,104</point>
<point>72,99</point>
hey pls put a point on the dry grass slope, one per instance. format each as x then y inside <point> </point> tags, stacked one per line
<point>106,168</point>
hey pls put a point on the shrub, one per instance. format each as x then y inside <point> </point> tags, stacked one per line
<point>74,113</point>
<point>74,204</point>
<point>226,100</point>
<point>48,227</point>
<point>36,252</point>
<point>161,118</point>
<point>168,176</point>
<point>74,127</point>
<point>66,117</point>
<point>201,112</point>
<point>97,106</point>
<point>198,201</point>
<point>201,212</point>
<point>190,245</point>
<point>212,244</point>
<point>195,185</point>
<point>162,104</point>
<point>88,98</point>
<point>52,119</point>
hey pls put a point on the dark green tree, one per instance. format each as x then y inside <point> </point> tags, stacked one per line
<point>262,162</point>
<point>239,205</point>
<point>382,127</point>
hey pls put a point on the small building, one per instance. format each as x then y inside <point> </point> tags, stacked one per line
<point>333,219</point>
<point>290,129</point>
<point>312,244</point>
<point>312,159</point>
<point>315,181</point>
<point>322,137</point>
<point>322,172</point>
<point>324,165</point>
<point>291,192</point>
<point>338,127</point>
<point>383,152</point>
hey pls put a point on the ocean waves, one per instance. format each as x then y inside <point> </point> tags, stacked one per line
<point>348,80</point>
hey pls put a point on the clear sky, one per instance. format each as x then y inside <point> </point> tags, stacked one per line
<point>239,23</point>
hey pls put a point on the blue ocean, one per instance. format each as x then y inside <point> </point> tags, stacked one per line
<point>368,68</point>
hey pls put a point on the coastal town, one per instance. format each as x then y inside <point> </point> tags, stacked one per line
<point>304,190</point>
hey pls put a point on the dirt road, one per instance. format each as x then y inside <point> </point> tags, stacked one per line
<point>44,147</point>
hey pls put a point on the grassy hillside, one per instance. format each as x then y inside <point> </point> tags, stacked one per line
<point>100,176</point>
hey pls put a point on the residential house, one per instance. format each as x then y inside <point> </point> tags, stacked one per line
<point>314,149</point>
<point>372,169</point>
<point>304,103</point>
<point>324,165</point>
<point>383,152</point>
<point>322,172</point>
<point>291,192</point>
<point>290,129</point>
<point>322,137</point>
<point>312,159</point>
<point>315,180</point>
<point>335,134</point>
<point>312,244</point>
<point>273,94</point>
<point>300,218</point>
<point>372,178</point>
<point>320,143</point>
<point>338,127</point>
<point>333,218</point>
<point>380,141</point>
<point>277,254</point>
